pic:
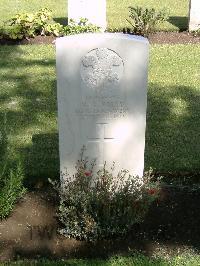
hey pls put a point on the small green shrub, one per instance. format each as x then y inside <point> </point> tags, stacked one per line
<point>11,176</point>
<point>100,205</point>
<point>144,20</point>
<point>82,27</point>
<point>29,25</point>
<point>11,188</point>
<point>26,25</point>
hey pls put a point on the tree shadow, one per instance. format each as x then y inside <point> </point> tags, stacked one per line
<point>3,139</point>
<point>4,162</point>
<point>61,20</point>
<point>28,105</point>
<point>179,22</point>
<point>172,139</point>
<point>42,160</point>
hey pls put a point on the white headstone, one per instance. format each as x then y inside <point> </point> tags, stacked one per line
<point>194,16</point>
<point>102,91</point>
<point>93,10</point>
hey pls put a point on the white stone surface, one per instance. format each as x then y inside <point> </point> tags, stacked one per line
<point>93,10</point>
<point>194,15</point>
<point>102,91</point>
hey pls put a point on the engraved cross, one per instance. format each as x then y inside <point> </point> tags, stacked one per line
<point>101,140</point>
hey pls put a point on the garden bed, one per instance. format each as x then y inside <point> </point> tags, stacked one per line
<point>30,231</point>
<point>155,38</point>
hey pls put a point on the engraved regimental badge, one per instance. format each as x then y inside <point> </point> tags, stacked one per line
<point>101,67</point>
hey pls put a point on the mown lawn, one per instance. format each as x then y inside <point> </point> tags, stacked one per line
<point>173,121</point>
<point>117,11</point>
<point>28,100</point>
<point>135,260</point>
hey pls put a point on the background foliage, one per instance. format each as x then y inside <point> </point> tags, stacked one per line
<point>117,11</point>
<point>29,25</point>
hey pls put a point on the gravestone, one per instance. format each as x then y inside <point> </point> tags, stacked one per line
<point>102,91</point>
<point>93,10</point>
<point>194,15</point>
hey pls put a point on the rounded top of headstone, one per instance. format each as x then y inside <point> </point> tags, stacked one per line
<point>101,67</point>
<point>104,36</point>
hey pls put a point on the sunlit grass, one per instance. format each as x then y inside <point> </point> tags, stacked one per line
<point>117,11</point>
<point>173,120</point>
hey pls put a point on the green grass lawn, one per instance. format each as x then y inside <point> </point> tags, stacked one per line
<point>173,121</point>
<point>135,260</point>
<point>28,99</point>
<point>117,11</point>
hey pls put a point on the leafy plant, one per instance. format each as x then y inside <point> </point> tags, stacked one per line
<point>100,205</point>
<point>29,25</point>
<point>55,29</point>
<point>11,176</point>
<point>26,25</point>
<point>11,189</point>
<point>144,20</point>
<point>82,26</point>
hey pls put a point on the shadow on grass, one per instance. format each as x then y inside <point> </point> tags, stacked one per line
<point>29,105</point>
<point>62,21</point>
<point>42,160</point>
<point>173,121</point>
<point>3,140</point>
<point>179,22</point>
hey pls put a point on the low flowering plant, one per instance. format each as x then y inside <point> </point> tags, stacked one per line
<point>88,173</point>
<point>153,191</point>
<point>100,205</point>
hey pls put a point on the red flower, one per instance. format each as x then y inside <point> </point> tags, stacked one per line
<point>152,191</point>
<point>88,173</point>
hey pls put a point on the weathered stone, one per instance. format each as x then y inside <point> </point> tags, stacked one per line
<point>102,89</point>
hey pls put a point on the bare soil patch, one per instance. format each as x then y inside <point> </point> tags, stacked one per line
<point>173,38</point>
<point>155,38</point>
<point>31,230</point>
